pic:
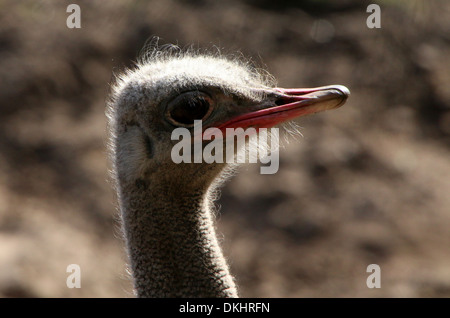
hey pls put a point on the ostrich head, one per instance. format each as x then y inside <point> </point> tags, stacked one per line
<point>164,205</point>
<point>169,91</point>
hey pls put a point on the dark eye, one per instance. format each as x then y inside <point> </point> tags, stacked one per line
<point>184,109</point>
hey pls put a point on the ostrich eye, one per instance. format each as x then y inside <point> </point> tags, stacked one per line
<point>184,109</point>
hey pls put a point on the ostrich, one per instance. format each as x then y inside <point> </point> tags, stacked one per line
<point>165,208</point>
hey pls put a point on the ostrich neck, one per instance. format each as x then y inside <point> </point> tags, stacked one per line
<point>172,243</point>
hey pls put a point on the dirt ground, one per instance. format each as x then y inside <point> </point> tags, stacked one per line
<point>368,183</point>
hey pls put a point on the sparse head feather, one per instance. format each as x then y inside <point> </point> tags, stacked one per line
<point>167,70</point>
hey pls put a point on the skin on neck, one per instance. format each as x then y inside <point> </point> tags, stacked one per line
<point>171,239</point>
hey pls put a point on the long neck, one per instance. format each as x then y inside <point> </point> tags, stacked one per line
<point>172,243</point>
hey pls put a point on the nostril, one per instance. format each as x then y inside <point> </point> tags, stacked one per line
<point>280,101</point>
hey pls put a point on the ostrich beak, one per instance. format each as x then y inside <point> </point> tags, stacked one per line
<point>290,104</point>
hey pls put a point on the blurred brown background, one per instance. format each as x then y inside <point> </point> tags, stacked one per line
<point>368,183</point>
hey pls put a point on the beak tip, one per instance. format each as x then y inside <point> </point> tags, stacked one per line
<point>344,90</point>
<point>342,93</point>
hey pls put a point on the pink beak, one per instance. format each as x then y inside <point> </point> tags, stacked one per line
<point>291,103</point>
